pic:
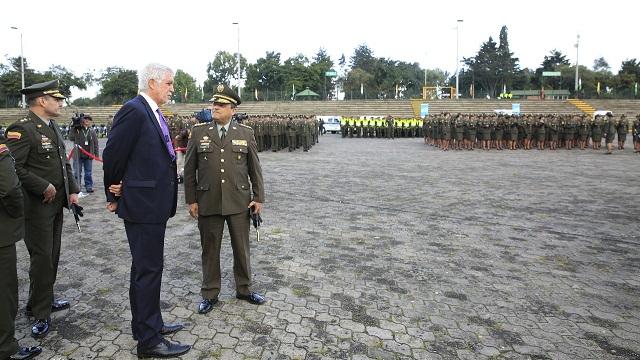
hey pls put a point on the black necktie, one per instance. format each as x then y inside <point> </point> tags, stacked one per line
<point>224,133</point>
<point>52,125</point>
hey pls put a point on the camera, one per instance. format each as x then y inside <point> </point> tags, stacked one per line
<point>239,117</point>
<point>76,120</point>
<point>203,116</point>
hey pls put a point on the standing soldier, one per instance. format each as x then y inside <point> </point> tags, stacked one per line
<point>291,134</point>
<point>223,183</point>
<point>259,130</point>
<point>12,224</point>
<point>596,133</point>
<point>48,186</point>
<point>609,132</point>
<point>622,129</point>
<point>635,132</point>
<point>389,127</point>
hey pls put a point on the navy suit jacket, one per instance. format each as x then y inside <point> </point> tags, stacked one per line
<point>136,154</point>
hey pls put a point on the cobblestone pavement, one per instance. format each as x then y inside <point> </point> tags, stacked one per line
<point>387,249</point>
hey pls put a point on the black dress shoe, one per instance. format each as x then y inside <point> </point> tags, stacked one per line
<point>170,328</point>
<point>206,305</point>
<point>40,328</point>
<point>164,349</point>
<point>253,298</point>
<point>26,353</point>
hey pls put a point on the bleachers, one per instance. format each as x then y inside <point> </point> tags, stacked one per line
<point>488,106</point>
<point>629,107</point>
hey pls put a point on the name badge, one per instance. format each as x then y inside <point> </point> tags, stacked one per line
<point>239,142</point>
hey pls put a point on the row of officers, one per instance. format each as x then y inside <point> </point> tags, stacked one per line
<point>468,131</point>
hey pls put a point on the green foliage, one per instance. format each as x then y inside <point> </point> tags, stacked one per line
<point>223,70</point>
<point>118,86</point>
<point>186,90</point>
<point>11,80</point>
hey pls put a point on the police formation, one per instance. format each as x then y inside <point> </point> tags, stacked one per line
<point>529,131</point>
<point>379,127</point>
<point>277,132</point>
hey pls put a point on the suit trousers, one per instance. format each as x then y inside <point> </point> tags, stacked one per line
<point>146,243</point>
<point>43,237</point>
<point>8,301</point>
<point>211,229</point>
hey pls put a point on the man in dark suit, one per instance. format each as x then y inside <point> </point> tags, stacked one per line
<point>12,225</point>
<point>140,156</point>
<point>48,187</point>
<point>223,182</point>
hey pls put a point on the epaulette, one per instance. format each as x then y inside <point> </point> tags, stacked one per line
<point>200,124</point>
<point>245,126</point>
<point>24,120</point>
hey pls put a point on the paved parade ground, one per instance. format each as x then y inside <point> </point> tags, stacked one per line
<point>386,249</point>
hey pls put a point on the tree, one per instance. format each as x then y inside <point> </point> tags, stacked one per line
<point>356,80</point>
<point>321,64</point>
<point>600,64</point>
<point>117,86</point>
<point>67,79</point>
<point>628,77</point>
<point>266,74</point>
<point>485,67</point>
<point>507,64</point>
<point>552,62</point>
<point>363,58</point>
<point>222,70</point>
<point>186,90</point>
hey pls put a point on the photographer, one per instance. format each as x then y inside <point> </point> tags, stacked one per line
<point>84,137</point>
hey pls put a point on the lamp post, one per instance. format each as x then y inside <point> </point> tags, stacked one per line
<point>21,65</point>
<point>457,56</point>
<point>577,48</point>
<point>238,57</point>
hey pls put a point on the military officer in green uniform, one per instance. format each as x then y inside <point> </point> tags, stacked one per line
<point>12,225</point>
<point>223,183</point>
<point>48,186</point>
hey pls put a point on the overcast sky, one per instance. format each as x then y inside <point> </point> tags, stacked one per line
<point>90,35</point>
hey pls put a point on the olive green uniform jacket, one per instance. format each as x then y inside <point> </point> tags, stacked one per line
<point>222,176</point>
<point>41,160</point>
<point>12,226</point>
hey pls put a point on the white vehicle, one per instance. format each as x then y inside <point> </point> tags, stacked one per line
<point>331,123</point>
<point>602,113</point>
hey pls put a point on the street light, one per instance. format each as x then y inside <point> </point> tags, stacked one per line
<point>577,45</point>
<point>457,56</point>
<point>24,105</point>
<point>238,57</point>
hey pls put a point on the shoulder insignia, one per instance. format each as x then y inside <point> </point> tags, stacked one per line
<point>244,126</point>
<point>200,124</point>
<point>3,148</point>
<point>14,135</point>
<point>24,120</point>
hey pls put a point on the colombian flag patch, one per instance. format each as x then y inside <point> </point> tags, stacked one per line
<point>14,135</point>
<point>3,148</point>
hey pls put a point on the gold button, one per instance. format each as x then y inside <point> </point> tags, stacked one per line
<point>221,160</point>
<point>221,150</point>
<point>239,157</point>
<point>223,181</point>
<point>221,170</point>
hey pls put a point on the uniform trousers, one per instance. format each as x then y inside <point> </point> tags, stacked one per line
<point>43,239</point>
<point>8,301</point>
<point>146,243</point>
<point>211,229</point>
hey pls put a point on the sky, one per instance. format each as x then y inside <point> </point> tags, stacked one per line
<point>93,35</point>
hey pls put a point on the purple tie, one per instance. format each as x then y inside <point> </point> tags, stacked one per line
<point>165,133</point>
